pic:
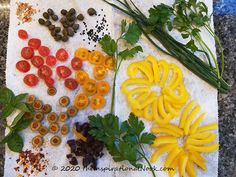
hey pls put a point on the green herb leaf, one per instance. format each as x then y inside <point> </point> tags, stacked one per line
<point>17,118</point>
<point>18,98</point>
<point>7,137</point>
<point>133,34</point>
<point>15,143</point>
<point>123,26</point>
<point>136,125</point>
<point>22,124</point>
<point>185,36</point>
<point>191,45</point>
<point>108,45</point>
<point>147,138</point>
<point>130,53</point>
<point>5,95</point>
<point>24,107</point>
<point>7,111</point>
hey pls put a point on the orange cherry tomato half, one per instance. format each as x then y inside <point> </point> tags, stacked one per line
<point>23,66</point>
<point>22,34</point>
<point>96,58</point>
<point>90,87</point>
<point>108,62</point>
<point>31,80</point>
<point>34,43</point>
<point>99,72</point>
<point>81,101</point>
<point>27,53</point>
<point>97,102</point>
<point>82,53</point>
<point>81,77</point>
<point>103,88</point>
<point>71,83</point>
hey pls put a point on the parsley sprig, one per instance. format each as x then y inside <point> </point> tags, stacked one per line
<point>130,34</point>
<point>125,141</point>
<point>11,103</point>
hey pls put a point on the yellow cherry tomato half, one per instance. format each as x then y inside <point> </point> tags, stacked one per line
<point>103,88</point>
<point>82,53</point>
<point>90,87</point>
<point>81,101</point>
<point>108,62</point>
<point>97,102</point>
<point>99,72</point>
<point>96,58</point>
<point>81,77</point>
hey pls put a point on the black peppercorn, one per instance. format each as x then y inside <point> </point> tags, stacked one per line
<point>80,17</point>
<point>57,29</point>
<point>55,17</point>
<point>63,12</point>
<point>64,38</point>
<point>48,23</point>
<point>92,11</point>
<point>50,11</point>
<point>41,21</point>
<point>46,15</point>
<point>72,11</point>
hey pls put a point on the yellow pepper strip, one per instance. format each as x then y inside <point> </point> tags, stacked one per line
<point>177,76</point>
<point>190,169</point>
<point>164,67</point>
<point>197,155</point>
<point>190,118</point>
<point>155,67</point>
<point>210,148</point>
<point>192,141</point>
<point>148,112</point>
<point>200,136</point>
<point>207,127</point>
<point>165,130</point>
<point>169,107</point>
<point>196,123</point>
<point>172,155</point>
<point>160,151</point>
<point>156,116</point>
<point>164,140</point>
<point>134,81</point>
<point>175,163</point>
<point>174,128</point>
<point>161,108</point>
<point>143,67</point>
<point>148,101</point>
<point>173,97</point>
<point>198,161</point>
<point>185,114</point>
<point>182,164</point>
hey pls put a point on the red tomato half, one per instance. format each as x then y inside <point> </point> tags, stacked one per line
<point>63,72</point>
<point>49,82</point>
<point>44,72</point>
<point>76,63</point>
<point>22,34</point>
<point>37,61</point>
<point>62,55</point>
<point>51,60</point>
<point>31,80</point>
<point>34,43</point>
<point>27,52</point>
<point>23,66</point>
<point>44,51</point>
<point>71,83</point>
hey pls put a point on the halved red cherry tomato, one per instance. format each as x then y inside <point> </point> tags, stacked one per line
<point>63,72</point>
<point>71,83</point>
<point>34,43</point>
<point>97,102</point>
<point>62,54</point>
<point>23,66</point>
<point>31,80</point>
<point>22,34</point>
<point>49,81</point>
<point>37,61</point>
<point>51,60</point>
<point>103,88</point>
<point>99,72</point>
<point>27,52</point>
<point>82,54</point>
<point>90,87</point>
<point>76,63</point>
<point>44,51</point>
<point>81,101</point>
<point>44,72</point>
<point>96,58</point>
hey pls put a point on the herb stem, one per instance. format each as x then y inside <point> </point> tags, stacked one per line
<point>149,164</point>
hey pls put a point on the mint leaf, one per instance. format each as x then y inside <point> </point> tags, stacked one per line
<point>5,95</point>
<point>130,53</point>
<point>7,111</point>
<point>108,45</point>
<point>123,26</point>
<point>22,124</point>
<point>18,98</point>
<point>15,143</point>
<point>17,118</point>
<point>133,34</point>
<point>7,137</point>
<point>24,107</point>
<point>147,138</point>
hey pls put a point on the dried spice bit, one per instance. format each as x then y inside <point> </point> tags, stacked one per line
<point>63,116</point>
<point>46,15</point>
<point>37,141</point>
<point>64,129</point>
<point>24,12</point>
<point>38,116</point>
<point>72,111</point>
<point>47,108</point>
<point>54,17</point>
<point>64,101</point>
<point>43,131</point>
<point>30,99</point>
<point>52,117</point>
<point>38,104</point>
<point>63,12</point>
<point>29,163</point>
<point>35,125</point>
<point>80,17</point>
<point>79,135</point>
<point>55,140</point>
<point>52,91</point>
<point>41,21</point>
<point>92,11</point>
<point>54,128</point>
